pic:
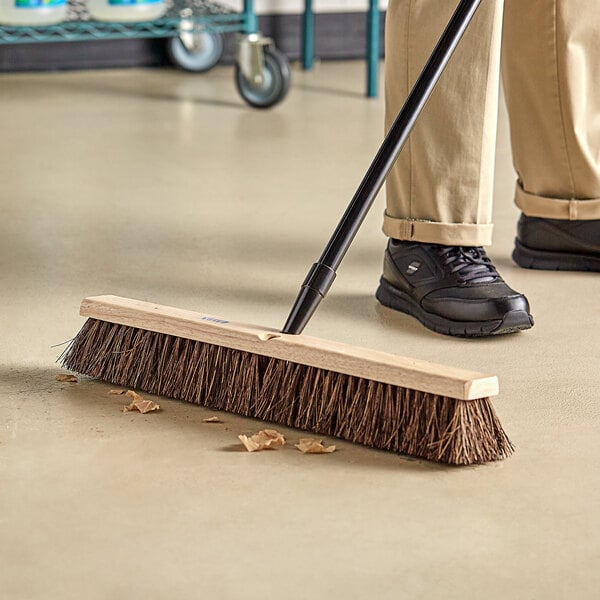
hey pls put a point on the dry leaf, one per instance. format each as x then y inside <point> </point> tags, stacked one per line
<point>269,438</point>
<point>313,446</point>
<point>65,377</point>
<point>265,439</point>
<point>249,444</point>
<point>139,403</point>
<point>212,420</point>
<point>117,392</point>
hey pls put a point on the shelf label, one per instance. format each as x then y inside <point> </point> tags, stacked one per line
<point>38,3</point>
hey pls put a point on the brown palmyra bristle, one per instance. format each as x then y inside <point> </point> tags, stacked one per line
<point>360,410</point>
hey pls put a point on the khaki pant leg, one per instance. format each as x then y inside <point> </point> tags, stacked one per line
<point>440,190</point>
<point>551,74</point>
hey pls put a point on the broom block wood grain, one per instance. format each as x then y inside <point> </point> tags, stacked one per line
<point>324,354</point>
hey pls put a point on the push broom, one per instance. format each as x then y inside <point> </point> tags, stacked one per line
<point>408,406</point>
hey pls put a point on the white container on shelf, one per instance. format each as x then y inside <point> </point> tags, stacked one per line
<point>32,12</point>
<point>126,10</point>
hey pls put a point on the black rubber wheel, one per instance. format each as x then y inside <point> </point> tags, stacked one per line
<point>201,53</point>
<point>275,85</point>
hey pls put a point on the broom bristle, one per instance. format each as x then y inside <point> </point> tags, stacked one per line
<point>368,412</point>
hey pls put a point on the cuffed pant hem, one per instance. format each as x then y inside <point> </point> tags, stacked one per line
<point>431,232</point>
<point>557,208</point>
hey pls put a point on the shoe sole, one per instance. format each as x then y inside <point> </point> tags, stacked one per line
<point>529,258</point>
<point>396,299</point>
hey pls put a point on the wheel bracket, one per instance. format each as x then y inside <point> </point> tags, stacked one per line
<point>189,31</point>
<point>250,57</point>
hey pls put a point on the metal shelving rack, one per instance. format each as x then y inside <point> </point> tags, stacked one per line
<point>79,26</point>
<point>194,29</point>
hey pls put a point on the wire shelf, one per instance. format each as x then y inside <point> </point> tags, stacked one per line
<point>79,26</point>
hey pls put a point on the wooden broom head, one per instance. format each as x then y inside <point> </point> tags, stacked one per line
<point>376,399</point>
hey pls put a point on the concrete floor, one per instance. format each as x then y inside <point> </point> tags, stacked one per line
<point>166,187</point>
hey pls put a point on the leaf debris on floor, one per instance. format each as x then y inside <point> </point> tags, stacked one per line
<point>314,446</point>
<point>66,377</point>
<point>263,440</point>
<point>139,403</point>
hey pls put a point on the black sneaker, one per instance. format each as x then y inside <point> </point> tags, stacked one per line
<point>453,290</point>
<point>556,245</point>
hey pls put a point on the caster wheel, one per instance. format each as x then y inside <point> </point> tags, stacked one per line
<point>275,83</point>
<point>197,51</point>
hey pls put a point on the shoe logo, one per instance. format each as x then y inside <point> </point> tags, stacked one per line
<point>413,267</point>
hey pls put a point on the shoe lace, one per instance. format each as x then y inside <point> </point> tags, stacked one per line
<point>471,264</point>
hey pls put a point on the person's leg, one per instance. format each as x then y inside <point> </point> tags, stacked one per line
<point>440,190</point>
<point>553,99</point>
<point>439,193</point>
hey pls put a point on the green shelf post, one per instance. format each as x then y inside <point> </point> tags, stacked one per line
<point>250,18</point>
<point>308,35</point>
<point>373,41</point>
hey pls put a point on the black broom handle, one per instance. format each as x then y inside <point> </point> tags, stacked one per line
<point>322,273</point>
